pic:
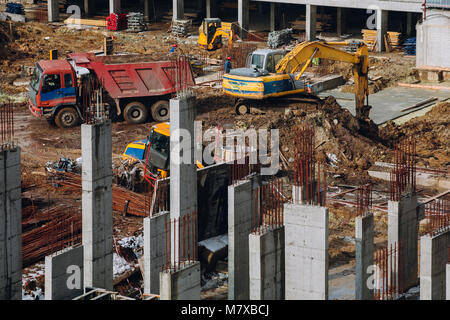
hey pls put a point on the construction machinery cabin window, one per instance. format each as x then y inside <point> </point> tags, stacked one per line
<point>36,78</point>
<point>257,61</point>
<point>68,83</point>
<point>51,83</point>
<point>160,143</point>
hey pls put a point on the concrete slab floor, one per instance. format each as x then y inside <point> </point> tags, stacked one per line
<point>387,103</point>
<point>341,282</point>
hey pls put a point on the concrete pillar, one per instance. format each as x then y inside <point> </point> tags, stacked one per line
<point>402,229</point>
<point>53,10</point>
<point>382,25</point>
<point>64,274</point>
<point>241,206</point>
<point>178,9</point>
<point>267,267</point>
<point>183,171</point>
<point>154,250</point>
<point>211,8</point>
<point>272,16</point>
<point>183,284</point>
<point>10,225</point>
<point>364,256</point>
<point>244,16</point>
<point>340,21</point>
<point>447,287</point>
<point>433,261</point>
<point>306,252</point>
<point>147,9</point>
<point>409,24</point>
<point>311,20</point>
<point>89,7</point>
<point>114,6</point>
<point>97,205</point>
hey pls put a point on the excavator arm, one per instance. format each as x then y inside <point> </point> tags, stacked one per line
<point>302,55</point>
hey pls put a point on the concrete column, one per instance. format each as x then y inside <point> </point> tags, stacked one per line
<point>447,287</point>
<point>306,252</point>
<point>114,6</point>
<point>244,16</point>
<point>211,8</point>
<point>53,10</point>
<point>311,20</point>
<point>154,250</point>
<point>364,256</point>
<point>183,171</point>
<point>267,267</point>
<point>89,7</point>
<point>178,9</point>
<point>272,16</point>
<point>97,205</point>
<point>10,225</point>
<point>183,284</point>
<point>64,274</point>
<point>382,25</point>
<point>433,261</point>
<point>402,229</point>
<point>147,9</point>
<point>409,24</point>
<point>241,206</point>
<point>340,21</point>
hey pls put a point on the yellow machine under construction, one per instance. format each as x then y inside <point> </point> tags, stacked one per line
<point>272,73</point>
<point>211,32</point>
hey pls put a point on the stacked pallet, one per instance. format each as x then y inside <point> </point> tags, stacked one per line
<point>180,28</point>
<point>409,46</point>
<point>323,24</point>
<point>136,21</point>
<point>393,39</point>
<point>117,22</point>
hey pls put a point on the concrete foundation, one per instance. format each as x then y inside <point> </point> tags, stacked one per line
<point>154,241</point>
<point>10,225</point>
<point>183,171</point>
<point>403,229</point>
<point>382,26</point>
<point>244,17</point>
<point>53,10</point>
<point>241,206</point>
<point>181,285</point>
<point>311,20</point>
<point>433,260</point>
<point>114,6</point>
<point>306,257</point>
<point>267,267</point>
<point>433,39</point>
<point>364,256</point>
<point>64,274</point>
<point>97,205</point>
<point>178,9</point>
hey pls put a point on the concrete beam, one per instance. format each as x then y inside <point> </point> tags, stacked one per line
<point>311,20</point>
<point>306,236</point>
<point>382,26</point>
<point>244,17</point>
<point>53,10</point>
<point>10,225</point>
<point>97,222</point>
<point>178,9</point>
<point>114,6</point>
<point>364,256</point>
<point>183,284</point>
<point>64,274</point>
<point>154,250</point>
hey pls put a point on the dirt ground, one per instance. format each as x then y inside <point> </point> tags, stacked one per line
<point>348,147</point>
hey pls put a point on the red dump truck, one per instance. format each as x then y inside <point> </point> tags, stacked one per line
<point>134,86</point>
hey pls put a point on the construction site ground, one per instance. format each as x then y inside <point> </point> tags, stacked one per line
<point>348,148</point>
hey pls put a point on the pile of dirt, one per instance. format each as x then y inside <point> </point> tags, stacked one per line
<point>432,135</point>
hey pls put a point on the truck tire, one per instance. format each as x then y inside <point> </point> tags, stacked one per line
<point>135,113</point>
<point>160,111</point>
<point>67,117</point>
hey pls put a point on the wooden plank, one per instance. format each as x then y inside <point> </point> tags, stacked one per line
<point>87,22</point>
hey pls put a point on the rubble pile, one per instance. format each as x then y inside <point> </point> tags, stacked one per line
<point>279,38</point>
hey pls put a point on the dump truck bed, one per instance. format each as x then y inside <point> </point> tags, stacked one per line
<point>128,76</point>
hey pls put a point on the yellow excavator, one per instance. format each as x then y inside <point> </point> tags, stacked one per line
<point>274,73</point>
<point>211,32</point>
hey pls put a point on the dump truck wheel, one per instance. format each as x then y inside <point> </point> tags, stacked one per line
<point>160,111</point>
<point>242,109</point>
<point>67,118</point>
<point>135,113</point>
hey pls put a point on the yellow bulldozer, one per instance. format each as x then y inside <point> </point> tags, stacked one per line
<point>211,32</point>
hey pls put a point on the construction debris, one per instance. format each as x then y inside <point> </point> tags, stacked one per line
<point>279,38</point>
<point>180,28</point>
<point>136,21</point>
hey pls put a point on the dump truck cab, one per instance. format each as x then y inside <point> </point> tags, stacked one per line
<point>53,89</point>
